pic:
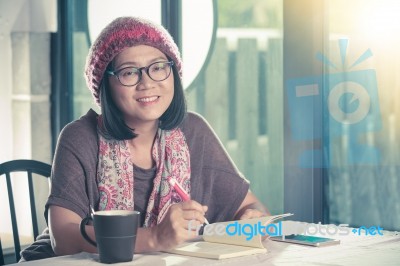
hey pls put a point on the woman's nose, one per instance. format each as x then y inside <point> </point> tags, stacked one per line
<point>145,82</point>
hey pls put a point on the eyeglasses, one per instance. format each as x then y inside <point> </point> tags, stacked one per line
<point>130,76</point>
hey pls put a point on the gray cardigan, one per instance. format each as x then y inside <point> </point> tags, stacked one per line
<point>215,180</point>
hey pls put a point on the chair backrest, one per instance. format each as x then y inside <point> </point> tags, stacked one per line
<point>29,167</point>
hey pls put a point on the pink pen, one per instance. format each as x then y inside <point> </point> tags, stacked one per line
<point>181,192</point>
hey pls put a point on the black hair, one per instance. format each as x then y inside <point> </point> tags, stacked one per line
<point>113,124</point>
<point>176,111</point>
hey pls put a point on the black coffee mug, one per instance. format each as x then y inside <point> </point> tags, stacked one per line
<point>115,232</point>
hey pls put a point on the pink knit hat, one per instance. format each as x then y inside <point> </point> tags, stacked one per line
<point>121,33</point>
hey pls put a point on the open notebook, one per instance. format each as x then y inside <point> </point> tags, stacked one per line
<point>220,242</point>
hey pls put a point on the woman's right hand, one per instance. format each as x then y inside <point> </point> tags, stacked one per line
<point>181,223</point>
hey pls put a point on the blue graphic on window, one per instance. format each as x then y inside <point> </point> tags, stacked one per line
<point>337,104</point>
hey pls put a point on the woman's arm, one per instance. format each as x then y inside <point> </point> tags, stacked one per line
<point>66,238</point>
<point>174,229</point>
<point>64,232</point>
<point>251,207</point>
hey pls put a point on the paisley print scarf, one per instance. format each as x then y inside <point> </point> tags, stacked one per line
<point>116,181</point>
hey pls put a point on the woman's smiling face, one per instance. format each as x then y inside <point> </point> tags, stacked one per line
<point>147,100</point>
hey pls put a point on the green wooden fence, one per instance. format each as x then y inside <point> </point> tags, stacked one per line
<point>241,96</point>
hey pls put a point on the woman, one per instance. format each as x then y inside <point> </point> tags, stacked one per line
<point>126,157</point>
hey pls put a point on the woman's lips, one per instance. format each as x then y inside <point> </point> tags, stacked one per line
<point>148,100</point>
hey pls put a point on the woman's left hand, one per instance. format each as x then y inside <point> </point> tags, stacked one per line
<point>251,207</point>
<point>251,213</point>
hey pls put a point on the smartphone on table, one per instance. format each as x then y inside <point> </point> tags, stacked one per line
<point>306,240</point>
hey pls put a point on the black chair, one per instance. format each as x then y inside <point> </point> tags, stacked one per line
<point>30,167</point>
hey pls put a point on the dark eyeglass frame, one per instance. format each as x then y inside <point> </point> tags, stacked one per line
<point>140,72</point>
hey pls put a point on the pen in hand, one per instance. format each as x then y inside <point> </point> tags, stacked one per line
<point>182,192</point>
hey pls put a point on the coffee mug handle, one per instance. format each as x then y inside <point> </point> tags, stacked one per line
<point>82,228</point>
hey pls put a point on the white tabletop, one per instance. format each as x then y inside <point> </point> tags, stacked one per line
<point>353,250</point>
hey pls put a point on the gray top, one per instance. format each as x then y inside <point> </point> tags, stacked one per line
<point>143,186</point>
<point>215,180</point>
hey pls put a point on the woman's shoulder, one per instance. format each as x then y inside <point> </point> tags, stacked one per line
<point>194,120</point>
<point>83,128</point>
<point>196,128</point>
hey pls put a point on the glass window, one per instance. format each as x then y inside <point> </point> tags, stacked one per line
<point>362,60</point>
<point>240,92</point>
<point>342,118</point>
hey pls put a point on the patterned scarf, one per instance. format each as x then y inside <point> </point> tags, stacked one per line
<point>115,175</point>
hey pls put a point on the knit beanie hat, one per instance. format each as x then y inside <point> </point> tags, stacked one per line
<point>122,33</point>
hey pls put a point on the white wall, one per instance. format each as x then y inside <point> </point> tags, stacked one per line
<point>25,27</point>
